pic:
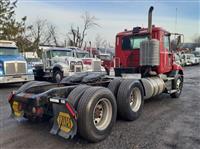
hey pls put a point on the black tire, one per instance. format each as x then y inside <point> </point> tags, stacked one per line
<point>174,86</point>
<point>76,94</point>
<point>57,74</point>
<point>124,97</point>
<point>86,106</point>
<point>113,86</point>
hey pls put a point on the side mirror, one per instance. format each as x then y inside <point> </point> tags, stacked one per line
<point>178,41</point>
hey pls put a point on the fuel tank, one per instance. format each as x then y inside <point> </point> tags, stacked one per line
<point>153,86</point>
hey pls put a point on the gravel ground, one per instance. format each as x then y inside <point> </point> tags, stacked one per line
<point>165,123</point>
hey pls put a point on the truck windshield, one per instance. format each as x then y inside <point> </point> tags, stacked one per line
<point>59,53</point>
<point>8,51</point>
<point>132,42</point>
<point>190,56</point>
<point>196,53</point>
<point>105,57</point>
<point>32,59</point>
<point>82,54</point>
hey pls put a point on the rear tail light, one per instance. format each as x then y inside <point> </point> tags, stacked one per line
<point>38,111</point>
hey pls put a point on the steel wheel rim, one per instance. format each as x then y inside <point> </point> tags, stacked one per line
<point>178,85</point>
<point>135,99</point>
<point>102,114</point>
<point>58,78</point>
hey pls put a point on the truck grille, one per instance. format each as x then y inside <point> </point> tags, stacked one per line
<point>13,68</point>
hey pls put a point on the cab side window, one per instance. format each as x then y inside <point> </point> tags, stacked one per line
<point>48,54</point>
<point>166,43</point>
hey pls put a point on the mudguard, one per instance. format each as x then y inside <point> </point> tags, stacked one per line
<point>65,118</point>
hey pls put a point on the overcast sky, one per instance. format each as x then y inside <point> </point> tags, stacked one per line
<point>114,15</point>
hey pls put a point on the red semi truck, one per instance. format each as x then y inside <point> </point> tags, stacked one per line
<point>88,103</point>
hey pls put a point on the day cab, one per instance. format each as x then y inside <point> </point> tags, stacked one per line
<point>128,50</point>
<point>13,66</point>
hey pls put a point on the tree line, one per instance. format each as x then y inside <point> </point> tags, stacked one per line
<point>42,32</point>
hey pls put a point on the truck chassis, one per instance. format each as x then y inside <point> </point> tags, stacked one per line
<point>87,102</point>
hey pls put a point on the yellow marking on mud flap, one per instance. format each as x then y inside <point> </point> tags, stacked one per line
<point>64,122</point>
<point>16,110</point>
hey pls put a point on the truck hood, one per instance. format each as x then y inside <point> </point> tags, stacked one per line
<point>63,58</point>
<point>4,58</point>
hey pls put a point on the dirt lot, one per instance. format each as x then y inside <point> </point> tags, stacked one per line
<point>165,123</point>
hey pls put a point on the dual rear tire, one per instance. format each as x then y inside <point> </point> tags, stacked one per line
<point>129,95</point>
<point>130,99</point>
<point>97,107</point>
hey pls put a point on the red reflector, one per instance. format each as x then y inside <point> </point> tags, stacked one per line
<point>70,110</point>
<point>39,111</point>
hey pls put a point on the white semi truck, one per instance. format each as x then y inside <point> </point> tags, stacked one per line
<point>61,62</point>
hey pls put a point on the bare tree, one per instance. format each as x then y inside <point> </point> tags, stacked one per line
<point>38,32</point>
<point>52,35</point>
<point>100,42</point>
<point>43,32</point>
<point>76,37</point>
<point>74,40</point>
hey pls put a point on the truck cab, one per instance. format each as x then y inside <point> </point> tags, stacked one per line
<point>131,57</point>
<point>13,66</point>
<point>58,63</point>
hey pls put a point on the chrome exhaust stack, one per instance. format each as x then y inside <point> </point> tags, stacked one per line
<point>150,22</point>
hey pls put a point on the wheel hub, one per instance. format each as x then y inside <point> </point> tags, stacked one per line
<point>58,78</point>
<point>102,114</point>
<point>135,100</point>
<point>178,85</point>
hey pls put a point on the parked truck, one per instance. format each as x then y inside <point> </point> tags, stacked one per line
<point>189,59</point>
<point>13,66</point>
<point>88,103</point>
<point>61,62</point>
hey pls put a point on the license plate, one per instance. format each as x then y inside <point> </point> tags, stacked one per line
<point>16,110</point>
<point>64,122</point>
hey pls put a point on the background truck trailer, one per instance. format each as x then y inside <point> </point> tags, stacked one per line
<point>13,66</point>
<point>88,103</point>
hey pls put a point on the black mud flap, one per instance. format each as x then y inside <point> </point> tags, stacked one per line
<point>65,121</point>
